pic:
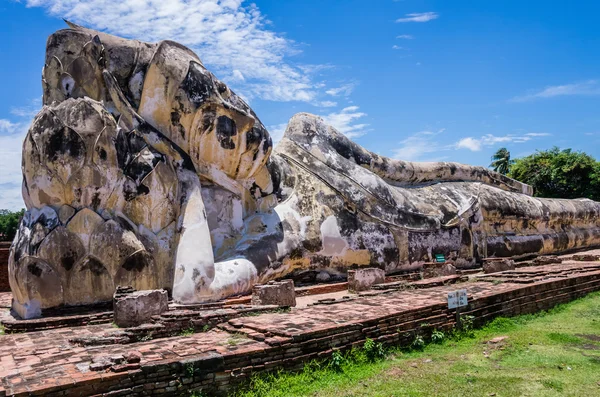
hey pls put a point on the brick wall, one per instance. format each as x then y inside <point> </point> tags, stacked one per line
<point>217,373</point>
<point>4,252</point>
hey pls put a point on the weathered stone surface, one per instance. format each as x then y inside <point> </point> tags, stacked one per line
<point>586,257</point>
<point>143,168</point>
<point>138,307</point>
<point>438,269</point>
<point>498,265</point>
<point>546,260</point>
<point>280,293</point>
<point>364,279</point>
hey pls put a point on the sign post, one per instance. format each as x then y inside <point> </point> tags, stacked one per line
<point>456,300</point>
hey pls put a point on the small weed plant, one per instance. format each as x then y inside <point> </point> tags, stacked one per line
<point>437,336</point>
<point>373,350</point>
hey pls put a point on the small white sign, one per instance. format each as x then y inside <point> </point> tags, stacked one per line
<point>457,299</point>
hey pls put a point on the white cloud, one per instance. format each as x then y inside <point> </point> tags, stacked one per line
<point>426,146</point>
<point>419,17</point>
<point>469,143</point>
<point>7,126</point>
<point>345,121</point>
<point>420,146</point>
<point>488,140</point>
<point>27,111</point>
<point>585,88</point>
<point>231,38</point>
<point>536,134</point>
<point>396,47</point>
<point>276,132</point>
<point>344,90</point>
<point>11,145</point>
<point>405,36</point>
<point>328,104</point>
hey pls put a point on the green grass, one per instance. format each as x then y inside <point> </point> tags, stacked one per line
<point>555,353</point>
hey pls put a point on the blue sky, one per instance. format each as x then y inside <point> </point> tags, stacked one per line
<point>414,79</point>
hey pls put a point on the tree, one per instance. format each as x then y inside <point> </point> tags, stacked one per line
<point>501,161</point>
<point>559,173</point>
<point>9,223</point>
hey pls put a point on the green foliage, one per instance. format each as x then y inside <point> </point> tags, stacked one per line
<point>337,361</point>
<point>559,173</point>
<point>187,332</point>
<point>437,336</point>
<point>466,325</point>
<point>501,161</point>
<point>9,223</point>
<point>418,343</point>
<point>189,369</point>
<point>373,350</point>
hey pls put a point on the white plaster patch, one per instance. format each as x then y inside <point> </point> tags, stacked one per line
<point>333,242</point>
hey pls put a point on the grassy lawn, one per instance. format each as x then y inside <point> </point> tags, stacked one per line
<point>556,353</point>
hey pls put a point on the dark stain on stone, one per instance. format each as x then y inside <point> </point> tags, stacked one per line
<point>176,122</point>
<point>137,262</point>
<point>96,200</point>
<point>95,266</point>
<point>64,142</point>
<point>254,137</point>
<point>68,261</point>
<point>466,239</point>
<point>226,129</point>
<point>34,269</point>
<point>102,153</point>
<point>197,84</point>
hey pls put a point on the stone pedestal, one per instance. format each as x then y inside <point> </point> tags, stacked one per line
<point>132,308</point>
<point>495,265</point>
<point>364,279</point>
<point>280,293</point>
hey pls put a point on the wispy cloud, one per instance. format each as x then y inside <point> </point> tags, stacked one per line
<point>584,88</point>
<point>405,36</point>
<point>419,147</point>
<point>426,146</point>
<point>12,135</point>
<point>28,110</point>
<point>7,126</point>
<point>345,121</point>
<point>397,47</point>
<point>328,104</point>
<point>488,140</point>
<point>344,90</point>
<point>418,17</point>
<point>232,38</point>
<point>276,131</point>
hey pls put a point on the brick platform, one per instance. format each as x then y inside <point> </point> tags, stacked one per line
<point>46,363</point>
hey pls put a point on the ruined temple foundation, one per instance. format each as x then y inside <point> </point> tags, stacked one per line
<point>50,363</point>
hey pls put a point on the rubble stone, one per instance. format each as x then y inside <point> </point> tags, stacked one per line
<point>364,279</point>
<point>280,293</point>
<point>138,307</point>
<point>498,265</point>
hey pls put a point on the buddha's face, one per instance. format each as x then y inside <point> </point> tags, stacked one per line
<point>170,88</point>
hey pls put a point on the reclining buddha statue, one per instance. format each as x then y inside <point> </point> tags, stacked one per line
<point>143,169</point>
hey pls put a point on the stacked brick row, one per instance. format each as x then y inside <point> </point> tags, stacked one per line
<point>217,373</point>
